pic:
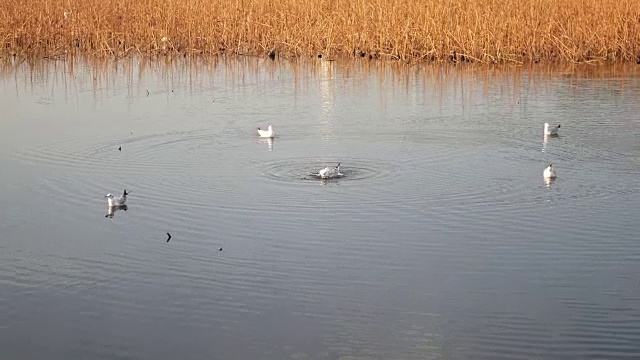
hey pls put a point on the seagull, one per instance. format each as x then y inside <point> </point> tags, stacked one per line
<point>120,200</point>
<point>266,133</point>
<point>169,237</point>
<point>549,172</point>
<point>220,249</point>
<point>119,148</point>
<point>550,130</point>
<point>329,173</point>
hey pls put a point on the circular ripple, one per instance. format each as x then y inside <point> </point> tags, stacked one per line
<point>164,170</point>
<point>104,153</point>
<point>302,169</point>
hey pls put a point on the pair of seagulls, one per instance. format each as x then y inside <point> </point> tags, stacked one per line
<point>550,173</point>
<point>326,173</point>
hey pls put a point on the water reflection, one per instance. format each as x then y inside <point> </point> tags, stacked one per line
<point>549,181</point>
<point>333,181</point>
<point>545,140</point>
<point>268,141</point>
<point>111,210</point>
<point>326,80</point>
<point>333,282</point>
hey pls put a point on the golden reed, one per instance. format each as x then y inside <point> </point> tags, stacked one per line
<point>487,31</point>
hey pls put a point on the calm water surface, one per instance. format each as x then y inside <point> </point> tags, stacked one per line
<point>441,242</point>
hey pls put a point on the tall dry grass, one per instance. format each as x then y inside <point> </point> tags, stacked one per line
<point>490,31</point>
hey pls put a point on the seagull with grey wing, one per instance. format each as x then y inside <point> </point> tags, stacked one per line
<point>551,130</point>
<point>117,201</point>
<point>329,173</point>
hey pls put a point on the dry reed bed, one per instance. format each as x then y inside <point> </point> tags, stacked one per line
<point>491,31</point>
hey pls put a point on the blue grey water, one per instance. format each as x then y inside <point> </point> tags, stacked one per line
<point>443,241</point>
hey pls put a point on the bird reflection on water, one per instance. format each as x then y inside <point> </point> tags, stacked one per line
<point>111,210</point>
<point>269,142</point>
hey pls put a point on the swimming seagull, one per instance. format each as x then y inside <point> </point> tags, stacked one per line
<point>117,201</point>
<point>550,130</point>
<point>549,172</point>
<point>266,133</point>
<point>119,148</point>
<point>329,173</point>
<point>169,237</point>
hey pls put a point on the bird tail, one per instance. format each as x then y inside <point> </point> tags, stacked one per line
<point>126,193</point>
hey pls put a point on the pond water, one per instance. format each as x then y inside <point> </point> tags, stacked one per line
<point>442,240</point>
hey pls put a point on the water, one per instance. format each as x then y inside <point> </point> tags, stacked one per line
<point>441,242</point>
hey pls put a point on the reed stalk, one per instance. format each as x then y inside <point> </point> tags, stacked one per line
<point>487,31</point>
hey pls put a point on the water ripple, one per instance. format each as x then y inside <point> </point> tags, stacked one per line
<point>300,169</point>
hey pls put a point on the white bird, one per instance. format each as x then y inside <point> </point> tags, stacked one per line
<point>117,201</point>
<point>550,130</point>
<point>330,173</point>
<point>549,172</point>
<point>266,133</point>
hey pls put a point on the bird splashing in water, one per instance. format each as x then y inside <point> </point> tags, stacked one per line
<point>329,173</point>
